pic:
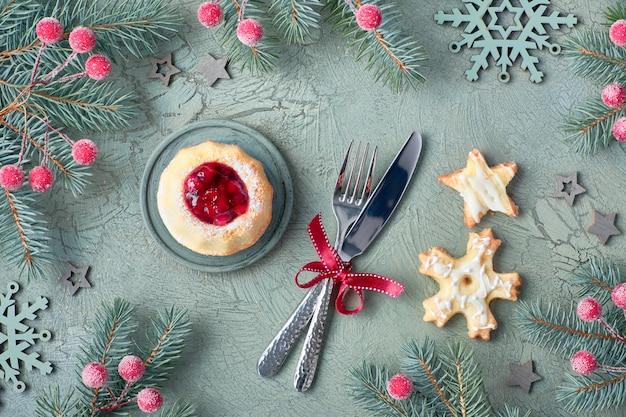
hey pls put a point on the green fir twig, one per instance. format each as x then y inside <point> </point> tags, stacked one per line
<point>40,112</point>
<point>112,332</point>
<point>562,332</point>
<point>446,384</point>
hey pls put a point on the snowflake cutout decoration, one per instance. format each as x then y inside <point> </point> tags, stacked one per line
<point>16,337</point>
<point>505,32</point>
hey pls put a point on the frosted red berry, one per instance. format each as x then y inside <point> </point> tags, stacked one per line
<point>85,152</point>
<point>11,177</point>
<point>131,368</point>
<point>584,362</point>
<point>589,309</point>
<point>617,32</point>
<point>249,32</point>
<point>149,400</point>
<point>618,295</point>
<point>619,129</point>
<point>82,40</point>
<point>40,178</point>
<point>98,67</point>
<point>210,14</point>
<point>400,387</point>
<point>95,375</point>
<point>369,17</point>
<point>49,30</point>
<point>614,95</point>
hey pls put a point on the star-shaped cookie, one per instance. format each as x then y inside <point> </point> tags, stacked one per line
<point>482,187</point>
<point>468,284</point>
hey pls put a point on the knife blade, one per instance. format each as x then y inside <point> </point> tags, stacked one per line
<point>375,214</point>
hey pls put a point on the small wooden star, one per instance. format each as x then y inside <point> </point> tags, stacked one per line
<point>523,376</point>
<point>574,188</point>
<point>158,70</point>
<point>213,69</point>
<point>603,226</point>
<point>82,282</point>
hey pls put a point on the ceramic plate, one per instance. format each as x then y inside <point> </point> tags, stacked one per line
<point>255,145</point>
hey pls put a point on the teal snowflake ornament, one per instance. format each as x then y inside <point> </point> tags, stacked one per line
<point>16,337</point>
<point>505,31</point>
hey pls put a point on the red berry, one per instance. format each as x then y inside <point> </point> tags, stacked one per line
<point>98,67</point>
<point>618,295</point>
<point>149,400</point>
<point>369,17</point>
<point>95,375</point>
<point>249,32</point>
<point>210,14</point>
<point>584,362</point>
<point>82,40</point>
<point>49,30</point>
<point>85,152</point>
<point>614,95</point>
<point>11,177</point>
<point>617,32</point>
<point>589,309</point>
<point>40,178</point>
<point>400,387</point>
<point>131,368</point>
<point>619,129</point>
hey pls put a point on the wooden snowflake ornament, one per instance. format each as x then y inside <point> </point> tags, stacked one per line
<point>468,284</point>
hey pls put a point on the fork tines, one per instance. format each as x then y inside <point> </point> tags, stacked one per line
<point>350,190</point>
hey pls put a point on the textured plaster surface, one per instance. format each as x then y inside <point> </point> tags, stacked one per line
<point>316,101</point>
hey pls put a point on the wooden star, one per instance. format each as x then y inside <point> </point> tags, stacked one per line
<point>523,376</point>
<point>163,69</point>
<point>574,188</point>
<point>483,188</point>
<point>213,69</point>
<point>603,226</point>
<point>468,284</point>
<point>82,282</point>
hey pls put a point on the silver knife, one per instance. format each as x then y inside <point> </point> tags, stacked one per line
<point>372,219</point>
<point>318,298</point>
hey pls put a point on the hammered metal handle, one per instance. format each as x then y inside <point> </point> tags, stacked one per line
<point>278,349</point>
<point>309,357</point>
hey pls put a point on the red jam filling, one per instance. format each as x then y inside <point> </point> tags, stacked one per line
<point>215,194</point>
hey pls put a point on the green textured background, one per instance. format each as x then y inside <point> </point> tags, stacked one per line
<point>317,100</point>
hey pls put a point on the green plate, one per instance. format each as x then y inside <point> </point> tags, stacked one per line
<point>255,145</point>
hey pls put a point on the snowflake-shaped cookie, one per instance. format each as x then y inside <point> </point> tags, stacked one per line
<point>505,30</point>
<point>16,337</point>
<point>468,284</point>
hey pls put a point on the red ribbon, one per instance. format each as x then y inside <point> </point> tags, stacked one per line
<point>331,266</point>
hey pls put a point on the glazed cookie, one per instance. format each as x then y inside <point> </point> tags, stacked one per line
<point>482,187</point>
<point>468,284</point>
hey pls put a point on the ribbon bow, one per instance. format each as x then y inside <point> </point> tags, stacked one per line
<point>331,266</point>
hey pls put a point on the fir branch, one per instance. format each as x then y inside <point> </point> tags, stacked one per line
<point>392,56</point>
<point>589,127</point>
<point>179,409</point>
<point>23,234</point>
<point>615,13</point>
<point>257,59</point>
<point>169,332</point>
<point>512,412</point>
<point>370,392</point>
<point>597,392</point>
<point>53,404</point>
<point>591,54</point>
<point>295,20</point>
<point>465,388</point>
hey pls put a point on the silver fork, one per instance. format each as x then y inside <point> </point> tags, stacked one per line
<point>348,201</point>
<point>346,207</point>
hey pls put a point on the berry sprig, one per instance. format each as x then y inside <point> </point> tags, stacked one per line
<point>400,387</point>
<point>82,40</point>
<point>589,310</point>
<point>614,94</point>
<point>131,368</point>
